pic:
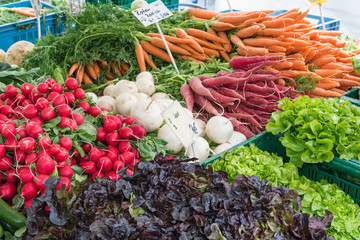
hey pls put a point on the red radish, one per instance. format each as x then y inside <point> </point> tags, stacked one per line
<point>66,171</point>
<point>129,172</point>
<point>113,149</point>
<point>2,178</point>
<point>127,157</point>
<point>61,155</point>
<point>135,152</point>
<point>44,142</point>
<point>72,124</point>
<point>65,142</point>
<point>27,175</point>
<point>27,144</point>
<point>12,117</point>
<point>8,131</point>
<point>112,156</point>
<point>19,98</point>
<point>44,154</point>
<point>121,118</point>
<point>27,204</point>
<point>112,175</point>
<point>12,123</point>
<point>79,119</point>
<point>125,132</point>
<point>20,156</point>
<point>5,163</point>
<point>197,86</point>
<point>94,111</point>
<point>57,87</point>
<point>26,88</point>
<point>30,158</point>
<point>37,120</point>
<point>86,147</point>
<point>2,150</point>
<point>34,96</point>
<point>138,132</point>
<point>11,144</point>
<point>124,146</point>
<point>76,154</point>
<point>97,174</point>
<point>50,81</point>
<point>85,158</point>
<point>101,134</point>
<point>9,101</point>
<point>7,191</point>
<point>117,120</point>
<point>64,110</point>
<point>104,109</point>
<point>3,117</point>
<point>79,93</point>
<point>10,91</point>
<point>33,129</point>
<point>85,105</point>
<point>39,181</point>
<point>129,120</point>
<point>89,167</point>
<point>54,149</point>
<point>110,125</point>
<point>47,114</point>
<point>103,152</point>
<point>60,164</point>
<point>72,162</point>
<point>43,88</point>
<point>94,154</point>
<point>52,95</point>
<point>64,180</point>
<point>6,110</point>
<point>188,95</point>
<point>69,98</point>
<point>133,163</point>
<point>64,122</point>
<point>45,166</point>
<point>113,138</point>
<point>3,96</point>
<point>11,176</point>
<point>29,191</point>
<point>58,100</point>
<point>71,83</point>
<point>118,165</point>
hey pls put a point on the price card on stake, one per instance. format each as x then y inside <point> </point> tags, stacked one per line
<point>181,124</point>
<point>153,13</point>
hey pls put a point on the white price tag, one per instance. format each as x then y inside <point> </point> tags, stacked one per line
<point>181,124</point>
<point>152,13</point>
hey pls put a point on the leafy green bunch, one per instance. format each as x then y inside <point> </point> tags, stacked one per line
<point>315,129</point>
<point>316,196</point>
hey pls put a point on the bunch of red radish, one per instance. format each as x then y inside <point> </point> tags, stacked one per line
<point>29,155</point>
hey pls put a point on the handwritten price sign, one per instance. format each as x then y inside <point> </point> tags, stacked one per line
<point>317,2</point>
<point>152,13</point>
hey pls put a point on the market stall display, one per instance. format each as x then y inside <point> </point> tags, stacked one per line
<point>93,126</point>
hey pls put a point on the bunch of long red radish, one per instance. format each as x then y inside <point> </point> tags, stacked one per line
<point>89,73</point>
<point>29,155</point>
<point>247,96</point>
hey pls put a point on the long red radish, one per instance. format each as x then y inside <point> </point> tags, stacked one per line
<point>188,95</point>
<point>198,87</point>
<point>218,97</point>
<point>206,105</point>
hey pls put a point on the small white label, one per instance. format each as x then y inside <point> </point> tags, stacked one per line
<point>152,13</point>
<point>181,124</point>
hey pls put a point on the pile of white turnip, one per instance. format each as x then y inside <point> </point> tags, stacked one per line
<point>139,100</point>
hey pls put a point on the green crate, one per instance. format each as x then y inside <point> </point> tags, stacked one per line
<point>353,96</point>
<point>337,171</point>
<point>171,4</point>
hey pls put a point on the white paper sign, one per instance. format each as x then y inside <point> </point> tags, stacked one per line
<point>152,13</point>
<point>181,124</point>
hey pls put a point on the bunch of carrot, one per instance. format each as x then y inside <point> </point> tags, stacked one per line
<point>293,37</point>
<point>89,73</point>
<point>247,96</point>
<point>27,11</point>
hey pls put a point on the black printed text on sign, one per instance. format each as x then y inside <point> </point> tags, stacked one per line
<point>152,13</point>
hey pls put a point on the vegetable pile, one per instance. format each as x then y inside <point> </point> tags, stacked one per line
<point>173,199</point>
<point>317,197</point>
<point>246,97</point>
<point>317,129</point>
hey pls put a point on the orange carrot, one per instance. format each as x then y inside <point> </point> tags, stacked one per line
<point>250,22</point>
<point>109,76</point>
<point>240,18</point>
<point>148,60</point>
<point>323,60</point>
<point>344,60</point>
<point>324,93</point>
<point>222,25</point>
<point>291,35</point>
<point>158,42</point>
<point>256,51</point>
<point>279,23</point>
<point>80,75</point>
<point>199,19</point>
<point>333,40</point>
<point>222,53</point>
<point>228,47</point>
<point>283,65</point>
<point>275,48</point>
<point>337,90</point>
<point>207,44</point>
<point>353,78</point>
<point>281,82</point>
<point>73,68</point>
<point>67,74</point>
<point>182,34</point>
<point>96,69</point>
<point>328,33</point>
<point>23,12</point>
<point>202,57</point>
<point>200,13</point>
<point>311,55</point>
<point>211,52</point>
<point>124,66</point>
<point>338,65</point>
<point>249,31</point>
<point>190,49</point>
<point>260,42</point>
<point>292,15</point>
<point>103,64</point>
<point>202,34</point>
<point>237,41</point>
<point>91,71</point>
<point>191,59</point>
<point>170,38</point>
<point>349,83</point>
<point>298,65</point>
<point>327,85</point>
<point>115,68</point>
<point>302,16</point>
<point>283,15</point>
<point>148,47</point>
<point>140,57</point>
<point>329,72</point>
<point>271,32</point>
<point>87,79</point>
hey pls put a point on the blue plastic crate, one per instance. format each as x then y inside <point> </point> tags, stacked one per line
<point>170,4</point>
<point>27,29</point>
<point>331,24</point>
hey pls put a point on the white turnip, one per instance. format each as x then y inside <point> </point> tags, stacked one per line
<point>145,85</point>
<point>219,129</point>
<point>106,102</point>
<point>236,138</point>
<point>221,148</point>
<point>124,102</point>
<point>108,91</point>
<point>147,114</point>
<point>201,149</point>
<point>124,86</point>
<point>167,135</point>
<point>202,125</point>
<point>160,95</point>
